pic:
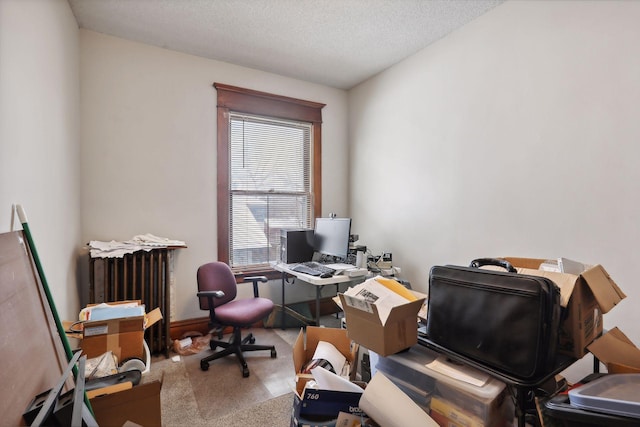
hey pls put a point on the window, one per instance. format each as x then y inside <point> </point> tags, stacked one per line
<point>269,177</point>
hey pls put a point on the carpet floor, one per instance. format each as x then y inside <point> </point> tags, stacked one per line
<point>220,396</point>
<point>223,390</point>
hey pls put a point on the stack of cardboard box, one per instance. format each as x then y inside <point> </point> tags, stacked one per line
<point>124,337</point>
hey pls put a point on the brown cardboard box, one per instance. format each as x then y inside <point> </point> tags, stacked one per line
<point>123,336</point>
<point>140,405</point>
<point>303,353</point>
<point>322,408</point>
<point>399,332</point>
<point>586,298</point>
<point>617,352</point>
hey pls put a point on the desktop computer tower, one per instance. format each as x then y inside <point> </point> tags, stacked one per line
<point>296,245</point>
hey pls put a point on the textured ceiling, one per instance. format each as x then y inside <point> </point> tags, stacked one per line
<point>337,43</point>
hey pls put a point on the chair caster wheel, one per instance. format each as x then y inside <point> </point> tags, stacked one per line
<point>245,372</point>
<point>204,366</point>
<point>252,340</point>
<point>274,354</point>
<point>212,346</point>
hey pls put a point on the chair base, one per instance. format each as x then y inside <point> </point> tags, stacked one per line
<point>237,346</point>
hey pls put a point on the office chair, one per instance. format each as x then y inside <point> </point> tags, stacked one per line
<point>217,290</point>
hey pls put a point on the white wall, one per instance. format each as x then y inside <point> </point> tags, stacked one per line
<point>39,122</point>
<point>515,135</point>
<point>149,150</point>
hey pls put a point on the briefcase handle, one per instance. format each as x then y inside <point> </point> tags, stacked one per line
<point>480,262</point>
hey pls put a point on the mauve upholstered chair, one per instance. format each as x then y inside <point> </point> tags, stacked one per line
<point>217,290</point>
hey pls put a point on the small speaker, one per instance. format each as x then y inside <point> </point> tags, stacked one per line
<point>296,245</point>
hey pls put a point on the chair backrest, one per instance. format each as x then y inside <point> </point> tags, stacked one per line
<point>216,276</point>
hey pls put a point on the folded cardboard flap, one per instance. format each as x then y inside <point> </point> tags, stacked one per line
<point>617,352</point>
<point>152,317</point>
<point>607,292</point>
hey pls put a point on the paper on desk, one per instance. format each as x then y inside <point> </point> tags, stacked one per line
<point>462,373</point>
<point>327,380</point>
<point>363,295</point>
<point>388,406</point>
<point>340,267</point>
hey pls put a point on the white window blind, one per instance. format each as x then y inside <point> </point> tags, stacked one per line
<point>270,179</point>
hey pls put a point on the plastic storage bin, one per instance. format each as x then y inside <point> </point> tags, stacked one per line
<point>617,394</point>
<point>488,402</point>
<point>560,410</point>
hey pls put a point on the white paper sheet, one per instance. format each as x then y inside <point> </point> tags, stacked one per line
<point>459,372</point>
<point>388,406</point>
<point>327,380</point>
<point>327,351</point>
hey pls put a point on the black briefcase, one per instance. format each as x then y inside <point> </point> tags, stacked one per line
<point>502,321</point>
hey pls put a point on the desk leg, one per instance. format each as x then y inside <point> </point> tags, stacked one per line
<point>318,294</point>
<point>282,313</point>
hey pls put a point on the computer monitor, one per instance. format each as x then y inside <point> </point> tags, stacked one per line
<point>331,237</point>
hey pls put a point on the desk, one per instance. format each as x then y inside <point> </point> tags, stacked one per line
<point>312,280</point>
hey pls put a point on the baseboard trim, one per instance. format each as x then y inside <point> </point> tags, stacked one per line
<point>179,329</point>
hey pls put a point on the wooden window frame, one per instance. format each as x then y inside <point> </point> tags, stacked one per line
<point>240,100</point>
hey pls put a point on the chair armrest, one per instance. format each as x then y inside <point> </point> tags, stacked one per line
<point>209,294</point>
<point>255,280</point>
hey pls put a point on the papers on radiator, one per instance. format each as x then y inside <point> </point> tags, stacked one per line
<point>142,242</point>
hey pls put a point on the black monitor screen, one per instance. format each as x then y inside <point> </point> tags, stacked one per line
<point>331,237</point>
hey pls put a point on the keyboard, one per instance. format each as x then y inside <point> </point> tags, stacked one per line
<point>313,268</point>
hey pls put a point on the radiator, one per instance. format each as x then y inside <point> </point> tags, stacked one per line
<point>143,276</point>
